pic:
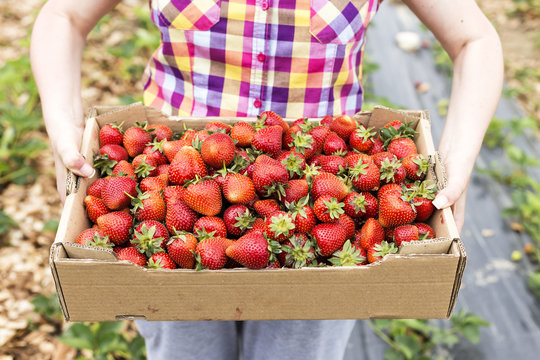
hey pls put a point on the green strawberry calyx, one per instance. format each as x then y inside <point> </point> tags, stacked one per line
<point>348,256</point>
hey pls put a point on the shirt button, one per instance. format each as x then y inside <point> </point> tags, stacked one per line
<point>261,57</point>
<point>257,103</point>
<point>265,5</point>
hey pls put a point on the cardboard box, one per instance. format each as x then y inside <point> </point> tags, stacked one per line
<point>421,281</point>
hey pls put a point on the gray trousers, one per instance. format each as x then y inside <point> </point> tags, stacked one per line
<point>254,340</point>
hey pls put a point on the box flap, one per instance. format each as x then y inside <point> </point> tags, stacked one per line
<point>431,246</point>
<point>57,250</point>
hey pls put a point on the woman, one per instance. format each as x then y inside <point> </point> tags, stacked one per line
<point>241,57</point>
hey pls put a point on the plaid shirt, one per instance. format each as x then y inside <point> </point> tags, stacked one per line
<point>299,58</point>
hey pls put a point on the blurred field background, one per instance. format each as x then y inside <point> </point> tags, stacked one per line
<point>31,326</point>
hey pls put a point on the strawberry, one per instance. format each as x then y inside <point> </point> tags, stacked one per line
<point>187,164</point>
<point>297,252</point>
<point>361,138</point>
<point>133,255</point>
<point>402,147</point>
<point>148,206</point>
<point>180,217</point>
<point>114,152</point>
<point>333,144</point>
<point>396,124</point>
<point>171,148</point>
<point>238,189</point>
<point>160,132</point>
<point>161,260</point>
<point>361,205</point>
<point>424,231</point>
<point>328,209</point>
<point>204,197</point>
<point>378,146</point>
<point>268,140</point>
<point>423,192</point>
<point>210,226</point>
<point>135,139</point>
<point>155,151</point>
<point>294,162</point>
<point>327,120</point>
<point>117,190</point>
<point>163,170</point>
<point>394,208</point>
<point>250,251</point>
<point>379,251</point>
<point>181,248</point>
<point>173,194</point>
<point>242,132</point>
<point>95,207</point>
<point>344,126</point>
<point>288,138</point>
<point>280,226</point>
<point>218,150</point>
<point>329,237</point>
<point>348,224</point>
<point>270,118</point>
<point>391,171</point>
<point>328,184</point>
<point>259,225</point>
<point>95,188</point>
<point>110,134</point>
<point>210,253</point>
<point>161,229</point>
<point>237,219</point>
<point>333,164</point>
<point>389,234</point>
<point>370,234</point>
<point>295,190</point>
<point>269,176</point>
<point>188,136</point>
<point>155,183</point>
<point>147,239</point>
<point>353,158</point>
<point>266,208</point>
<point>348,255</point>
<point>303,144</point>
<point>217,126</point>
<point>379,158</point>
<point>416,166</point>
<point>319,134</point>
<point>124,168</point>
<point>144,166</point>
<point>94,237</point>
<point>365,176</point>
<point>116,225</point>
<point>303,215</point>
<point>405,233</point>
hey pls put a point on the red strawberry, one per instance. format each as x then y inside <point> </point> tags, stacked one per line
<point>269,176</point>
<point>135,140</point>
<point>303,215</point>
<point>266,208</point>
<point>270,118</point>
<point>259,225</point>
<point>402,147</point>
<point>95,207</point>
<point>150,237</point>
<point>344,126</point>
<point>144,166</point>
<point>378,251</point>
<point>218,150</point>
<point>95,188</point>
<point>333,164</point>
<point>327,120</point>
<point>268,140</point>
<point>405,233</point>
<point>160,132</point>
<point>181,248</point>
<point>319,134</point>
<point>155,183</point>
<point>392,171</point>
<point>188,136</point>
<point>187,164</point>
<point>328,184</point>
<point>370,234</point>
<point>424,192</point>
<point>389,234</point>
<point>171,148</point>
<point>348,224</point>
<point>328,209</point>
<point>393,209</point>
<point>217,126</point>
<point>296,190</point>
<point>155,151</point>
<point>180,217</point>
<point>280,226</point>
<point>210,253</point>
<point>288,138</point>
<point>348,255</point>
<point>361,139</point>
<point>204,197</point>
<point>117,190</point>
<point>114,152</point>
<point>294,162</point>
<point>395,124</point>
<point>334,144</point>
<point>416,166</point>
<point>378,146</point>
<point>365,176</point>
<point>149,206</point>
<point>123,168</point>
<point>163,169</point>
<point>116,225</point>
<point>94,237</point>
<point>161,229</point>
<point>353,158</point>
<point>425,231</point>
<point>303,144</point>
<point>250,251</point>
<point>173,194</point>
<point>238,189</point>
<point>297,252</point>
<point>237,219</point>
<point>161,260</point>
<point>242,132</point>
<point>133,255</point>
<point>329,237</point>
<point>210,226</point>
<point>361,205</point>
<point>110,134</point>
<point>379,158</point>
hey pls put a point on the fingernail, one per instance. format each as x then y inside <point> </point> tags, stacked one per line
<point>87,171</point>
<point>440,202</point>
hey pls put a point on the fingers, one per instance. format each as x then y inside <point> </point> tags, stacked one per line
<point>459,211</point>
<point>73,160</point>
<point>450,194</point>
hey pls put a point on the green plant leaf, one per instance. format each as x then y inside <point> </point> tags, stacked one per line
<point>78,336</point>
<point>408,345</point>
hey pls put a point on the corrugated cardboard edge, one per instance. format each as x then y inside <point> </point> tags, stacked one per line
<point>53,255</point>
<point>459,276</point>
